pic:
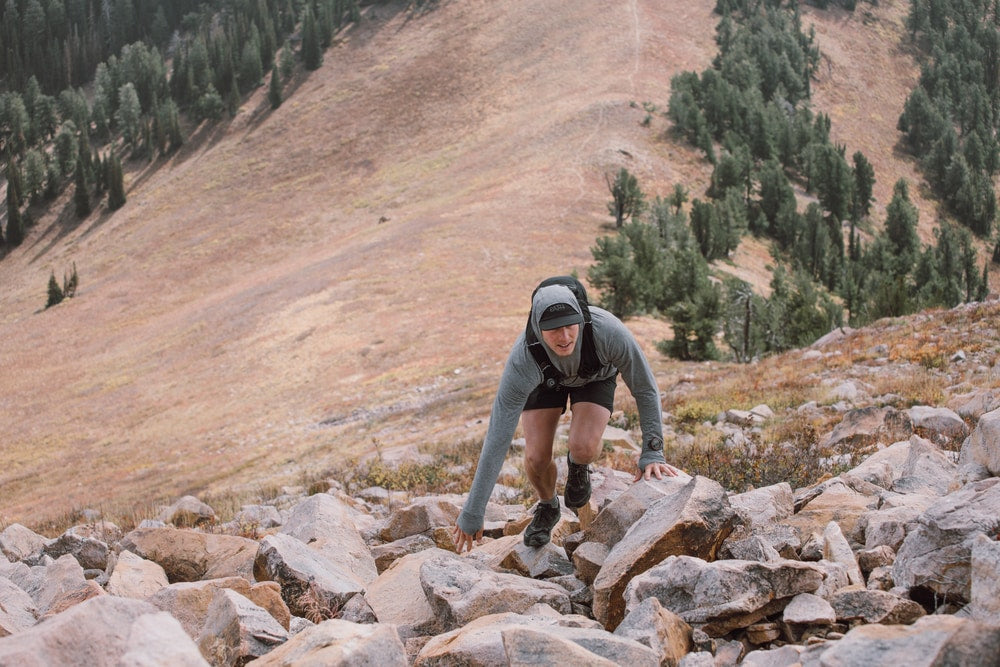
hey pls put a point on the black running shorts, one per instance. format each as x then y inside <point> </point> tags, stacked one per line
<point>601,392</point>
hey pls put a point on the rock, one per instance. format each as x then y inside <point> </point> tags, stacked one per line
<point>939,425</point>
<point>17,609</point>
<point>260,516</point>
<point>930,641</point>
<point>984,602</point>
<point>839,502</point>
<point>105,630</point>
<point>386,554</point>
<point>187,512</point>
<point>337,642</point>
<point>721,596</point>
<point>926,470</point>
<point>588,559</point>
<point>763,506</point>
<point>693,521</point>
<point>64,586</point>
<point>397,596</point>
<point>868,426</point>
<point>311,585</point>
<point>617,517</point>
<point>982,447</point>
<point>871,559</point>
<point>20,543</point>
<point>189,555</point>
<point>837,550</point>
<point>237,631</point>
<point>660,629</point>
<point>136,577</point>
<point>975,405</point>
<point>509,554</point>
<point>887,527</point>
<point>324,524</point>
<point>495,640</point>
<point>934,558</point>
<point>460,590</point>
<point>809,609</point>
<point>421,517</point>
<point>875,607</point>
<point>188,602</point>
<point>784,656</point>
<point>884,465</point>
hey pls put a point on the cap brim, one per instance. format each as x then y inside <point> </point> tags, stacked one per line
<point>561,321</point>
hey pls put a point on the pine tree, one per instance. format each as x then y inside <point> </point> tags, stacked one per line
<point>274,89</point>
<point>55,292</point>
<point>116,183</point>
<point>81,198</point>
<point>312,52</point>
<point>627,198</point>
<point>15,229</point>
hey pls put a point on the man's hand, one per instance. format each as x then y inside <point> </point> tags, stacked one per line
<point>463,540</point>
<point>657,470</point>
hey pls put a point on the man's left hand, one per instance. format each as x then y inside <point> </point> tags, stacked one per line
<point>657,470</point>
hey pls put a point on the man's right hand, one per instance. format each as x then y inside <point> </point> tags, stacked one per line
<point>464,541</point>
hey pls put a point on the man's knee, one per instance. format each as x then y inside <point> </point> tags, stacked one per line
<point>585,451</point>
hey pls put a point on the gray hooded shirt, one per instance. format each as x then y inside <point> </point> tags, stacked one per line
<point>618,352</point>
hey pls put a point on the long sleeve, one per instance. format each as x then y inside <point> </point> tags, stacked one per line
<point>618,346</point>
<point>519,379</point>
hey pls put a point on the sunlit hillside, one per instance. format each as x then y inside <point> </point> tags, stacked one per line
<point>296,285</point>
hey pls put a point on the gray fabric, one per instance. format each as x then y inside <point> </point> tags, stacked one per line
<point>619,353</point>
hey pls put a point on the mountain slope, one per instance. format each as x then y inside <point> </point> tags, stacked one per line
<point>294,285</point>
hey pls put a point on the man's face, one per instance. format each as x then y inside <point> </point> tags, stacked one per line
<point>562,340</point>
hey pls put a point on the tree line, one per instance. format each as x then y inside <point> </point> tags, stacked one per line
<point>151,64</point>
<point>749,114</point>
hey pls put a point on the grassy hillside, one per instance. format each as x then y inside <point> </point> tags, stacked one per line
<point>296,285</point>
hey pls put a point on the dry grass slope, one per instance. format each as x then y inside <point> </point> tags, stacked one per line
<point>352,267</point>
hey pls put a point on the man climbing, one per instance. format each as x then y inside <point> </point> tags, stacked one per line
<point>569,350</point>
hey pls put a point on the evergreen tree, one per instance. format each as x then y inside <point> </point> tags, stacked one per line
<point>864,185</point>
<point>116,183</point>
<point>613,273</point>
<point>287,61</point>
<point>15,229</point>
<point>274,89</point>
<point>312,51</point>
<point>627,198</point>
<point>81,198</point>
<point>129,114</point>
<point>901,218</point>
<point>55,293</point>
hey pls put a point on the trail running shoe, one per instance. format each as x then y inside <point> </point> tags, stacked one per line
<point>577,484</point>
<point>539,531</point>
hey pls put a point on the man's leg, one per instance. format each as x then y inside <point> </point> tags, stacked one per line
<point>539,433</point>
<point>586,432</point>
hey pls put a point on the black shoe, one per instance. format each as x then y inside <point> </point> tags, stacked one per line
<point>539,531</point>
<point>577,484</point>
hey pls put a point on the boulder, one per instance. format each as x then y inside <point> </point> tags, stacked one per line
<point>927,470</point>
<point>104,631</point>
<point>929,642</point>
<point>725,595</point>
<point>337,642</point>
<point>809,609</point>
<point>495,640</point>
<point>19,543</point>
<point>17,609</point>
<point>626,508</point>
<point>187,512</point>
<point>866,427</point>
<point>938,424</point>
<point>188,602</point>
<point>189,555</point>
<point>63,586</point>
<point>982,447</point>
<point>237,631</point>
<point>310,583</point>
<point>934,558</point>
<point>837,550</point>
<point>872,606</point>
<point>509,554</point>
<point>387,554</point>
<point>660,629</point>
<point>693,521</point>
<point>460,590</point>
<point>324,523</point>
<point>135,577</point>
<point>984,602</point>
<point>762,507</point>
<point>421,517</point>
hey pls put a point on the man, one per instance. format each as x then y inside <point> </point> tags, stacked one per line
<point>558,323</point>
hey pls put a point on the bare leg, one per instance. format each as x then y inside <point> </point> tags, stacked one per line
<point>539,434</point>
<point>586,431</point>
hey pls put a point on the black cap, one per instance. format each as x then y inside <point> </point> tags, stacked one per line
<point>559,315</point>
